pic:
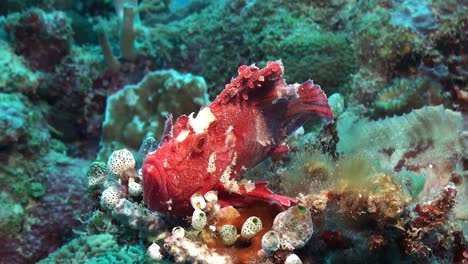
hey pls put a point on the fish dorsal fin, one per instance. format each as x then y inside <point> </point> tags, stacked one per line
<point>168,130</point>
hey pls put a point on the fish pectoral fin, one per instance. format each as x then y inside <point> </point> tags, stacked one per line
<point>251,192</point>
<point>280,149</point>
<point>260,191</point>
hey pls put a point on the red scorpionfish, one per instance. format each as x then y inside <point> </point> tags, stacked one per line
<point>248,122</point>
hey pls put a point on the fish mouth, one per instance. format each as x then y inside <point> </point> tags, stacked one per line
<point>162,190</point>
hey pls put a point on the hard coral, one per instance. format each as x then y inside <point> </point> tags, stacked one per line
<point>130,110</point>
<point>102,248</point>
<point>328,56</point>
<point>15,75</point>
<point>404,95</point>
<point>43,39</point>
<point>398,142</point>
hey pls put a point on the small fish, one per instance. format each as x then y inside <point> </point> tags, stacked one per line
<point>248,122</point>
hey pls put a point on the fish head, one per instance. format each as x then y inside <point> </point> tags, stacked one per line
<point>178,168</point>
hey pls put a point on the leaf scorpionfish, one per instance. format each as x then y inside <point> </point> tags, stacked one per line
<point>247,122</point>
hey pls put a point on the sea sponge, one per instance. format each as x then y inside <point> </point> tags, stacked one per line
<point>293,259</point>
<point>198,201</point>
<point>426,141</point>
<point>138,217</point>
<point>153,252</point>
<point>97,175</point>
<point>178,232</point>
<point>211,197</point>
<point>134,189</point>
<point>294,225</point>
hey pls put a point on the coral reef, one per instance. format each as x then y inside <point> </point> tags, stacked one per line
<point>416,15</point>
<point>52,209</point>
<point>404,95</point>
<point>384,180</point>
<point>101,248</point>
<point>15,75</point>
<point>426,140</point>
<point>139,111</point>
<point>42,39</point>
<point>22,130</point>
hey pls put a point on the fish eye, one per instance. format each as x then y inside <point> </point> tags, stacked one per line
<point>201,143</point>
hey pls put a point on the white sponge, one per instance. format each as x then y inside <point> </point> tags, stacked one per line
<point>271,241</point>
<point>197,201</point>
